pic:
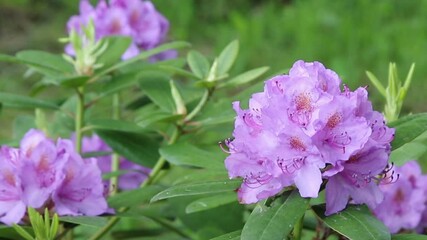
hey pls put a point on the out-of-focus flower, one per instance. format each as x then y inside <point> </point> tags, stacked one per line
<point>405,200</point>
<point>135,174</point>
<point>12,206</point>
<point>303,128</point>
<point>137,19</point>
<point>42,173</point>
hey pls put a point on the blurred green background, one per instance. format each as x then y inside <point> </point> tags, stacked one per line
<point>349,37</point>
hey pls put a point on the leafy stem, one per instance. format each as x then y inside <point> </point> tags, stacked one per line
<point>79,120</point>
<point>115,158</point>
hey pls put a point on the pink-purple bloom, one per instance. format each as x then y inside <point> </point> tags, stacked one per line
<point>303,129</point>
<point>137,19</point>
<point>44,173</point>
<point>405,200</point>
<point>133,177</point>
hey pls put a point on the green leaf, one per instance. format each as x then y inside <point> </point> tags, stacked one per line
<point>177,71</point>
<point>376,83</point>
<point>245,77</point>
<point>143,55</point>
<point>206,203</point>
<point>199,175</point>
<point>276,221</point>
<point>115,125</point>
<point>70,82</point>
<point>185,153</point>
<point>355,222</point>
<point>156,86</point>
<point>133,197</point>
<point>138,148</point>
<point>409,237</point>
<point>151,114</point>
<point>116,46</point>
<point>21,231</point>
<point>119,82</point>
<point>227,58</point>
<point>46,63</point>
<point>198,64</point>
<point>229,236</point>
<point>198,188</point>
<point>18,101</point>
<point>86,221</point>
<point>408,128</point>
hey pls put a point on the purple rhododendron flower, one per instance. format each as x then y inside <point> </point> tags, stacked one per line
<point>137,19</point>
<point>81,191</point>
<point>135,174</point>
<point>405,200</point>
<point>302,129</point>
<point>41,170</point>
<point>42,173</point>
<point>12,206</point>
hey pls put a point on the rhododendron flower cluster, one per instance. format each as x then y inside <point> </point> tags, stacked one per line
<point>303,129</point>
<point>137,19</point>
<point>404,201</point>
<point>42,173</point>
<point>135,174</point>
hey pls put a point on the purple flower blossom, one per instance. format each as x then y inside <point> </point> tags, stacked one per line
<point>303,128</point>
<point>12,206</point>
<point>135,174</point>
<point>137,19</point>
<point>405,200</point>
<point>81,192</point>
<point>42,173</point>
<point>41,170</point>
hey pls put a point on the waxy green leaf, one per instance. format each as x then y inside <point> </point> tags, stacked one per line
<point>355,222</point>
<point>198,188</point>
<point>408,128</point>
<point>187,154</point>
<point>276,221</point>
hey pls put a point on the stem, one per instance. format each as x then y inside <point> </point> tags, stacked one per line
<point>297,232</point>
<point>79,121</point>
<point>115,161</point>
<point>199,106</point>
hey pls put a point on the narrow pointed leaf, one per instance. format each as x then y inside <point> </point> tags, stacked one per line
<point>245,77</point>
<point>376,83</point>
<point>86,221</point>
<point>227,57</point>
<point>355,222</point>
<point>276,221</point>
<point>206,203</point>
<point>115,125</point>
<point>144,55</point>
<point>21,231</point>
<point>198,188</point>
<point>133,197</point>
<point>18,101</point>
<point>199,65</point>
<point>187,154</point>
